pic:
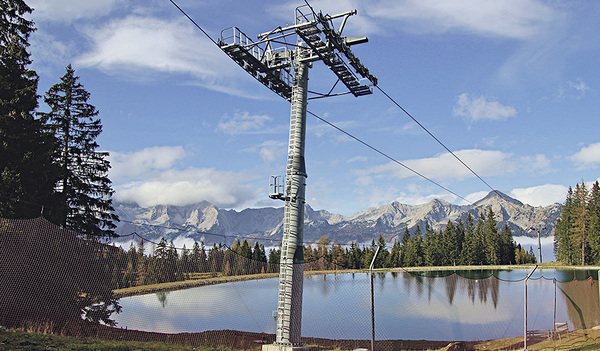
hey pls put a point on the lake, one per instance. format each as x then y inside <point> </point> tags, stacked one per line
<point>467,305</point>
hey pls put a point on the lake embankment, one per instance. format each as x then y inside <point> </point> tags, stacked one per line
<point>192,283</point>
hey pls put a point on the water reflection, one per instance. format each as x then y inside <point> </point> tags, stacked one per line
<point>453,283</point>
<point>474,305</point>
<point>162,298</point>
<point>581,299</point>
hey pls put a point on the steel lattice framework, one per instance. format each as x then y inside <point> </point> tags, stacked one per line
<point>280,59</point>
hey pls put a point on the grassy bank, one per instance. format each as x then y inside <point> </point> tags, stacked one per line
<point>584,340</point>
<point>21,340</point>
<point>218,279</point>
<point>185,284</point>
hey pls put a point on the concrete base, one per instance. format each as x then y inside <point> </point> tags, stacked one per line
<point>285,347</point>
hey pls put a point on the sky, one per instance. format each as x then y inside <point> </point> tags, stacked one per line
<point>511,87</point>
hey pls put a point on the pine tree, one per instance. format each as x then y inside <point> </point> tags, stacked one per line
<point>454,237</point>
<point>507,246</point>
<point>354,256</point>
<point>84,188</point>
<point>594,225</point>
<point>431,247</point>
<point>27,175</point>
<point>491,239</point>
<point>382,256</point>
<point>403,246</point>
<point>394,256</point>
<point>184,262</point>
<point>274,258</point>
<point>467,255</point>
<point>479,251</point>
<point>563,246</point>
<point>413,256</point>
<point>580,221</point>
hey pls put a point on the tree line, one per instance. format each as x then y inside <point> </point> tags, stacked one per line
<point>460,243</point>
<point>457,244</point>
<point>577,233</point>
<point>49,160</point>
<point>50,166</point>
<point>165,263</point>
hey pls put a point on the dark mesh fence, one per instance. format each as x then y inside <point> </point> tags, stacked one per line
<point>57,280</point>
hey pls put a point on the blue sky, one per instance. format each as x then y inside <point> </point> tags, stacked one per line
<point>512,87</point>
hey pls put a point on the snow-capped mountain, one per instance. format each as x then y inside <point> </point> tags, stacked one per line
<point>205,222</point>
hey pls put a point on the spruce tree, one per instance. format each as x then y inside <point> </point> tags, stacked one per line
<point>27,176</point>
<point>467,256</point>
<point>431,247</point>
<point>394,256</point>
<point>563,246</point>
<point>479,251</point>
<point>491,239</point>
<point>594,226</point>
<point>354,256</point>
<point>580,222</point>
<point>84,188</point>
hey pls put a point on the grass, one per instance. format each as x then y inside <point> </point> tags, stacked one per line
<point>22,340</point>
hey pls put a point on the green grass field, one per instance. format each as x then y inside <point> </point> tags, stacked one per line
<point>21,340</point>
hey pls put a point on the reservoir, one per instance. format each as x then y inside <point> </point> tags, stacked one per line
<point>442,305</point>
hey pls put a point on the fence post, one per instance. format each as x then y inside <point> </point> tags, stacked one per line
<point>373,301</point>
<point>525,330</point>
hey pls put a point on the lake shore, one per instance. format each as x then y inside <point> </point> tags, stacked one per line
<point>109,338</point>
<point>186,284</point>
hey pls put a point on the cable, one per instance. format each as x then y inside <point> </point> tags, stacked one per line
<point>357,139</point>
<point>436,139</point>
<point>194,22</point>
<point>386,155</point>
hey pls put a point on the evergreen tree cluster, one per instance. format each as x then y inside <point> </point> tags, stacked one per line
<point>167,264</point>
<point>50,165</point>
<point>457,244</point>
<point>577,233</point>
<point>49,162</point>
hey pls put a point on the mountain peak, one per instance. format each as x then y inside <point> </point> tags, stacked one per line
<point>389,220</point>
<point>498,195</point>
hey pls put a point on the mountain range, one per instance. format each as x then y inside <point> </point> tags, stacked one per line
<point>205,222</point>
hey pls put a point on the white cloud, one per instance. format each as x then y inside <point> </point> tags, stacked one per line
<point>244,123</point>
<point>137,45</point>
<point>140,162</point>
<point>47,52</point>
<point>445,166</point>
<point>360,24</point>
<point>270,150</point>
<point>71,10</point>
<point>588,155</point>
<point>541,195</point>
<point>473,197</point>
<point>418,199</point>
<point>479,108</point>
<point>519,19</point>
<point>357,159</point>
<point>148,177</point>
<point>539,163</point>
<point>580,86</point>
<point>151,43</point>
<point>181,187</point>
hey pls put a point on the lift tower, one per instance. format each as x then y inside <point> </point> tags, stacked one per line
<point>281,63</point>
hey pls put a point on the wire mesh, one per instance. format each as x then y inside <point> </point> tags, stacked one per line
<point>46,270</point>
